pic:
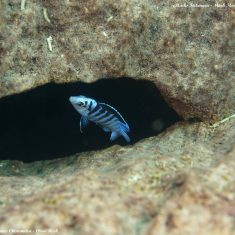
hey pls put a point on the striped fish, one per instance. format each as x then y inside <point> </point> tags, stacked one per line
<point>102,114</point>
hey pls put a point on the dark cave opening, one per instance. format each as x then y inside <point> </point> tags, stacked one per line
<point>41,124</point>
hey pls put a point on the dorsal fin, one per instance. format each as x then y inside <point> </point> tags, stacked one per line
<point>109,107</point>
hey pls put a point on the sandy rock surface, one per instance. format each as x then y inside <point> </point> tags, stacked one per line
<point>187,52</point>
<point>180,182</point>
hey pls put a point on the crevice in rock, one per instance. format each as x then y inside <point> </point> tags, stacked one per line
<point>41,123</point>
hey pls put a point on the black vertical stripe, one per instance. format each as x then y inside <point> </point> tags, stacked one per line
<point>94,110</point>
<point>103,113</point>
<point>105,117</point>
<point>108,119</point>
<point>89,108</point>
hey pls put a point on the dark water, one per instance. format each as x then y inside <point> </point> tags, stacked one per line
<point>42,124</point>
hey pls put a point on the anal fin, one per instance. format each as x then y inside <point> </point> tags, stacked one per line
<point>106,129</point>
<point>114,136</point>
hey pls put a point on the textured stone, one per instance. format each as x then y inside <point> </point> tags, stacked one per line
<point>180,182</point>
<point>187,52</point>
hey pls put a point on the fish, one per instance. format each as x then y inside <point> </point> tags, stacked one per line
<point>102,114</point>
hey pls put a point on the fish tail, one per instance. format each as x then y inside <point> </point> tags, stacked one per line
<point>125,136</point>
<point>125,127</point>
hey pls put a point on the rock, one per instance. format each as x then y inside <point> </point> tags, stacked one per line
<point>186,51</point>
<point>180,182</point>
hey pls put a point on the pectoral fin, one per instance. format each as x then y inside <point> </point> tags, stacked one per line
<point>83,123</point>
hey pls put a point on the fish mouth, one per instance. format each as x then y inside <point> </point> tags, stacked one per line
<point>73,99</point>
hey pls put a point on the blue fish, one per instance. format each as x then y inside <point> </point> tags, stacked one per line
<point>102,114</point>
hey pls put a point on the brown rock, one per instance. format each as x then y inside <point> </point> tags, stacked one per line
<point>180,182</point>
<point>186,51</point>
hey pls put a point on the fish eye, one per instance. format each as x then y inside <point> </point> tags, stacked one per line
<point>80,104</point>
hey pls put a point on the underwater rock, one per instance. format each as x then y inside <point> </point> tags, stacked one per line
<point>186,51</point>
<point>180,182</point>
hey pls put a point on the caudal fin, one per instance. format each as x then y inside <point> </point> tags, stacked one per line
<point>115,135</point>
<point>125,136</point>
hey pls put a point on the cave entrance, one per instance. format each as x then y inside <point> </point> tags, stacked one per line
<point>41,123</point>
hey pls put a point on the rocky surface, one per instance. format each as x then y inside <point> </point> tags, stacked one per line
<point>187,52</point>
<point>180,182</point>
